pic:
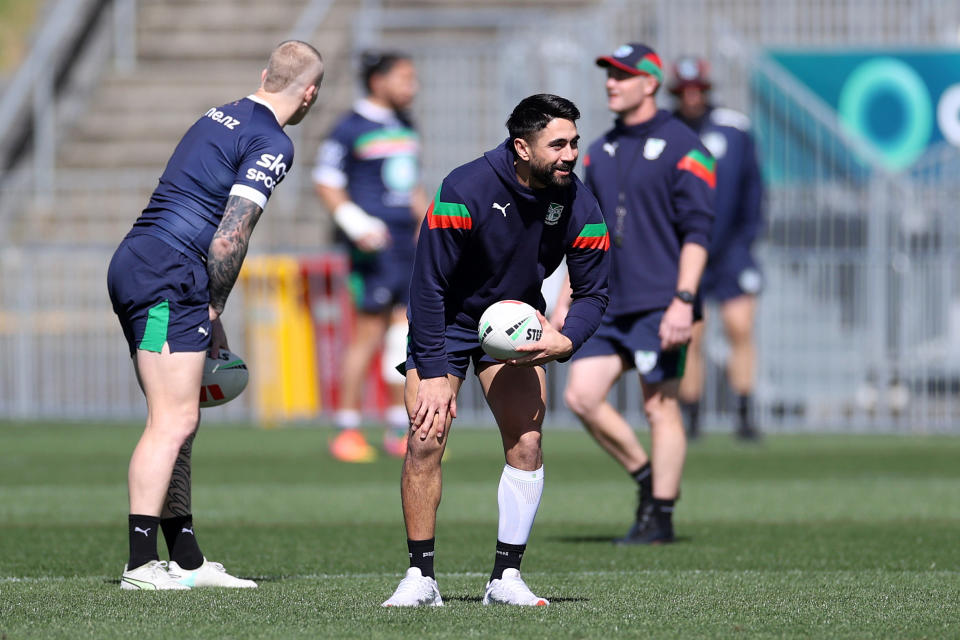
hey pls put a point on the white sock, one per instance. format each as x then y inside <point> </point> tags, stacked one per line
<point>347,419</point>
<point>397,417</point>
<point>394,352</point>
<point>518,498</point>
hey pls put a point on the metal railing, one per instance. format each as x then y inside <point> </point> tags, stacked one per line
<point>856,326</point>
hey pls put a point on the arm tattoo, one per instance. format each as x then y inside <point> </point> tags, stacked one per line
<point>229,247</point>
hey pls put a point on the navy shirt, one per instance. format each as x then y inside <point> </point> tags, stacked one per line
<point>373,153</point>
<point>739,194</point>
<point>488,238</point>
<point>654,182</point>
<point>236,149</point>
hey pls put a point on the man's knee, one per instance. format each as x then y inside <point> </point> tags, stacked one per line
<point>739,333</point>
<point>524,451</point>
<point>178,426</point>
<point>423,455</point>
<point>582,399</point>
<point>662,412</point>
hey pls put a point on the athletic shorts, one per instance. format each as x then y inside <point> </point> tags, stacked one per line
<point>730,279</point>
<point>160,296</point>
<point>380,281</point>
<point>635,338</point>
<point>463,347</point>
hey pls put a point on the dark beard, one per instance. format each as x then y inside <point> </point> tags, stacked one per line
<point>544,174</point>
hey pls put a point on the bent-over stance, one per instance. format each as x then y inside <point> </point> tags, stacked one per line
<point>496,228</point>
<point>169,280</point>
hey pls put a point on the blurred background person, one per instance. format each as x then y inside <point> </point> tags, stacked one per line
<point>732,278</point>
<point>654,183</point>
<point>367,176</point>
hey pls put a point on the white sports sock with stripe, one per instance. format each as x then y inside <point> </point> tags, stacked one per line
<point>518,498</point>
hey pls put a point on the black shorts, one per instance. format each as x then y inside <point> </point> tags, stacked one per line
<point>160,295</point>
<point>463,348</point>
<point>636,339</point>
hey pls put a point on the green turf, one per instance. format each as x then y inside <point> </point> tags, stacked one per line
<point>803,536</point>
<point>17,18</point>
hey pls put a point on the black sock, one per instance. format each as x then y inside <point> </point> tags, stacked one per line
<point>691,417</point>
<point>744,404</point>
<point>181,543</point>
<point>663,512</point>
<point>508,556</point>
<point>421,555</point>
<point>143,539</point>
<point>644,478</point>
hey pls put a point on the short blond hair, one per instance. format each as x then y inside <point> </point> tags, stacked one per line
<point>288,61</point>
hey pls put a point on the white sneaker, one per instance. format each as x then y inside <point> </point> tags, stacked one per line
<point>152,576</point>
<point>511,589</point>
<point>415,590</point>
<point>209,574</point>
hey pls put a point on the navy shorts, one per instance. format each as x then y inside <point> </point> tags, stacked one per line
<point>463,347</point>
<point>635,338</point>
<point>380,281</point>
<point>160,296</point>
<point>730,279</point>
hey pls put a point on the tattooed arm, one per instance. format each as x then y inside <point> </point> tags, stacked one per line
<point>228,248</point>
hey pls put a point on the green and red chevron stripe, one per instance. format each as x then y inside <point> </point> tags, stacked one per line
<point>700,165</point>
<point>651,64</point>
<point>385,143</point>
<point>593,236</point>
<point>448,215</point>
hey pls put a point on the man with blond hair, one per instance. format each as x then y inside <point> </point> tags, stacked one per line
<point>169,280</point>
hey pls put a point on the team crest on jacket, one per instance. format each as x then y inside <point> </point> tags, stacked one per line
<point>554,211</point>
<point>645,361</point>
<point>653,148</point>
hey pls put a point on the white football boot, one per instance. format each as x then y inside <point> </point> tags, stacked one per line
<point>209,574</point>
<point>152,576</point>
<point>511,589</point>
<point>415,590</point>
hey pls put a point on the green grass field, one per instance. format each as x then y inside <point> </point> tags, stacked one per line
<point>803,536</point>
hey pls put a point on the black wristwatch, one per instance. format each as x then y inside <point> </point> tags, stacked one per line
<point>685,296</point>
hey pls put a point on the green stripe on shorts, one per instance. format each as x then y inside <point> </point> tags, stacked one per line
<point>682,361</point>
<point>356,286</point>
<point>155,334</point>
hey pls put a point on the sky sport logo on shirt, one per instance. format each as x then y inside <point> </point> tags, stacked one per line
<point>271,163</point>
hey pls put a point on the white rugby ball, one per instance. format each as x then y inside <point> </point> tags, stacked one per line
<point>224,378</point>
<point>506,325</point>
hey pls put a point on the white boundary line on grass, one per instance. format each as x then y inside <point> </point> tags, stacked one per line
<point>477,574</point>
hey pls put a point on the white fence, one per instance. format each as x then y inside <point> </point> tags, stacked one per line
<point>858,324</point>
<point>62,351</point>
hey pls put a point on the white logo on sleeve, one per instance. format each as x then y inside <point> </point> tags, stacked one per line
<point>273,164</point>
<point>185,530</point>
<point>203,331</point>
<point>145,532</point>
<point>502,207</point>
